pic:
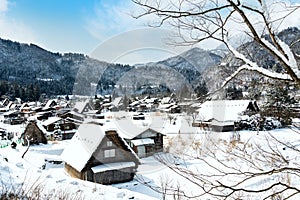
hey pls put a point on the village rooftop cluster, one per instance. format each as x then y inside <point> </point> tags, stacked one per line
<point>106,143</point>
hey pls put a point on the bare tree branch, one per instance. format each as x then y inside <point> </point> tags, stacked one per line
<point>208,19</point>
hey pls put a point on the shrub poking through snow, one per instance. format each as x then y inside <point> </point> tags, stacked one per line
<point>258,123</point>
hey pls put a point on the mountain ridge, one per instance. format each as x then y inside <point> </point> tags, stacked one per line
<point>28,68</point>
<point>55,73</point>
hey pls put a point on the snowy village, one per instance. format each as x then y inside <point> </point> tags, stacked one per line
<point>150,99</point>
<point>66,141</point>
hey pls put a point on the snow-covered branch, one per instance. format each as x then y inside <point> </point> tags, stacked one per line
<point>260,70</point>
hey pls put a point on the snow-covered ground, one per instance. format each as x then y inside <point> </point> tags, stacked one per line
<point>33,171</point>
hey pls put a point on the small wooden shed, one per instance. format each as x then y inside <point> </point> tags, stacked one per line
<point>144,138</point>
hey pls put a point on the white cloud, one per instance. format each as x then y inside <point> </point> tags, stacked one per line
<point>124,39</point>
<point>137,46</point>
<point>16,31</point>
<point>288,10</point>
<point>109,20</point>
<point>3,5</point>
<point>13,29</point>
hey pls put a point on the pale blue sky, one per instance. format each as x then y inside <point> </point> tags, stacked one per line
<point>64,25</point>
<point>83,25</point>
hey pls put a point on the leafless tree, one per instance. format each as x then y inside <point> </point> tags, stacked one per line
<point>199,20</point>
<point>237,169</point>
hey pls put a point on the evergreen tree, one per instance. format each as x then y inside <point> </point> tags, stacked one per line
<point>201,89</point>
<point>234,93</point>
<point>36,92</point>
<point>97,104</point>
<point>279,104</point>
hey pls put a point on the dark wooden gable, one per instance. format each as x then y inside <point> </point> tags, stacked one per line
<point>71,115</point>
<point>33,134</point>
<point>113,149</point>
<point>87,107</point>
<point>150,149</point>
<point>52,104</point>
<point>149,133</point>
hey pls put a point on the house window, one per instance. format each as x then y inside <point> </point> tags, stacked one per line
<point>109,153</point>
<point>109,143</point>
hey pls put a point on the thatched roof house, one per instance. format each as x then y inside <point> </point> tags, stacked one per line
<point>99,156</point>
<point>82,107</point>
<point>34,133</point>
<point>220,115</point>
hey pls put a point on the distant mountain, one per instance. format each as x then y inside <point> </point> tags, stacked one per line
<point>26,69</point>
<point>191,65</point>
<point>194,58</point>
<point>25,66</point>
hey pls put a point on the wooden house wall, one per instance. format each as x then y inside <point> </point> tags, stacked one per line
<point>63,126</point>
<point>67,135</point>
<point>50,127</point>
<point>225,128</point>
<point>112,176</point>
<point>156,137</point>
<point>67,126</point>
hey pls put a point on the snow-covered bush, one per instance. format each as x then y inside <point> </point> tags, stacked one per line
<point>257,123</point>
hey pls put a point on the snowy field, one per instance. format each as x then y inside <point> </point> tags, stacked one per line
<point>194,152</point>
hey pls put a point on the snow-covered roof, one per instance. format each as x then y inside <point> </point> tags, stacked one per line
<point>80,105</point>
<point>68,119</point>
<point>180,125</point>
<point>24,106</point>
<point>96,121</point>
<point>144,141</point>
<point>112,166</point>
<point>83,143</point>
<point>76,114</point>
<point>51,120</point>
<point>151,100</point>
<point>222,110</point>
<point>165,100</point>
<point>10,112</point>
<point>134,103</point>
<point>41,127</point>
<point>49,102</point>
<point>128,129</point>
<point>165,106</point>
<point>187,128</point>
<point>116,101</point>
